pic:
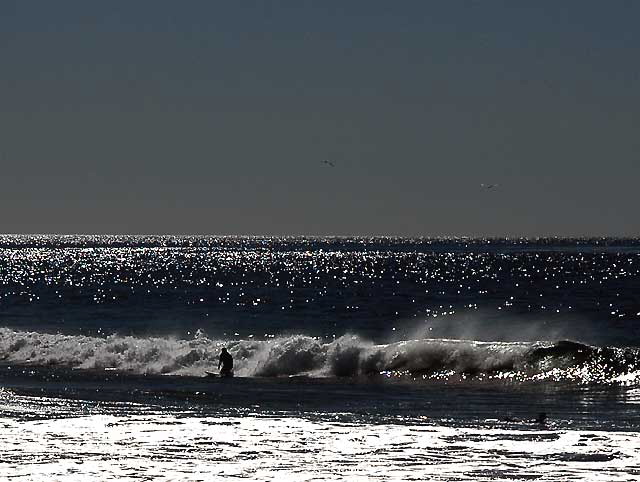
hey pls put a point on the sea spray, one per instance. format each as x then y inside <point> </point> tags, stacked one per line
<point>347,356</point>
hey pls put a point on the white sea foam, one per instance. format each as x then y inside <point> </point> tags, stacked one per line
<point>164,446</point>
<point>348,355</point>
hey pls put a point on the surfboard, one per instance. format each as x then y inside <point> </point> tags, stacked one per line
<point>217,375</point>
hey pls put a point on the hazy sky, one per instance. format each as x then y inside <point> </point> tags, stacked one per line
<point>213,117</point>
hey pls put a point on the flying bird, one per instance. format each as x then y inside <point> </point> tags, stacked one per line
<point>328,163</point>
<point>489,186</point>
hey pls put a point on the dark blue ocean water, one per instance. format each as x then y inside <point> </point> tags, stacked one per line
<point>384,289</point>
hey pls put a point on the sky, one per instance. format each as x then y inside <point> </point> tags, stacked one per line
<point>200,117</point>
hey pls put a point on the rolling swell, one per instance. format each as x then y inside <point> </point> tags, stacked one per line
<point>347,356</point>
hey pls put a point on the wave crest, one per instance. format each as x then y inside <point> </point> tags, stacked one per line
<point>347,356</point>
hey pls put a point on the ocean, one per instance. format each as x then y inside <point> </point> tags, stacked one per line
<point>354,358</point>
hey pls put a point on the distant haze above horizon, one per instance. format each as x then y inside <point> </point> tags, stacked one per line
<point>454,118</point>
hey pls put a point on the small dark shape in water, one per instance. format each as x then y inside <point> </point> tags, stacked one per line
<point>541,419</point>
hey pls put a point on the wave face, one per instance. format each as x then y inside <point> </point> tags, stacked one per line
<point>347,356</point>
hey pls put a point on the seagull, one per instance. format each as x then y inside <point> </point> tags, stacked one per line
<point>328,163</point>
<point>489,186</point>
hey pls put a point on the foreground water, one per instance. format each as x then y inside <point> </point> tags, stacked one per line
<point>383,358</point>
<point>309,429</point>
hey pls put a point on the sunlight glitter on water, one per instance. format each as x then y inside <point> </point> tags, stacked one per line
<point>168,447</point>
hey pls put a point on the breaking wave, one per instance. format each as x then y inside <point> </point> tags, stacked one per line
<point>347,356</point>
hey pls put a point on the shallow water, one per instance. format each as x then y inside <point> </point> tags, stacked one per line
<point>139,442</point>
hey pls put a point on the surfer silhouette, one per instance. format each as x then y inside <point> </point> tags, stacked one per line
<point>226,362</point>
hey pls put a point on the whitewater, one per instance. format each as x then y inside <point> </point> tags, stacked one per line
<point>347,356</point>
